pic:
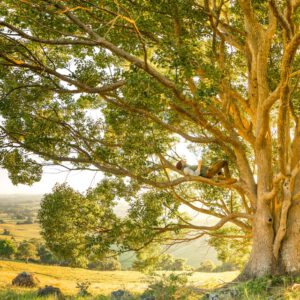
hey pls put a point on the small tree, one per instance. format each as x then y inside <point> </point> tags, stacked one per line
<point>227,249</point>
<point>108,264</point>
<point>77,227</point>
<point>7,249</point>
<point>6,232</point>
<point>206,266</point>
<point>26,251</point>
<point>150,261</point>
<point>225,267</point>
<point>46,256</point>
<point>29,220</point>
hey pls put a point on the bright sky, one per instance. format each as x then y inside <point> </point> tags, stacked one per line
<point>80,180</point>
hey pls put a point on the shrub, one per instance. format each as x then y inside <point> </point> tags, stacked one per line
<point>7,249</point>
<point>166,262</point>
<point>26,251</point>
<point>46,256</point>
<point>227,266</point>
<point>173,286</point>
<point>49,290</point>
<point>83,288</point>
<point>206,266</point>
<point>262,286</point>
<point>107,264</point>
<point>6,232</point>
<point>121,295</point>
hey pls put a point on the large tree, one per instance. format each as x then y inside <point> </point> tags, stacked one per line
<point>114,86</point>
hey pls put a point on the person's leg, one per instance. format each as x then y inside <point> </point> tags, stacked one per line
<point>226,170</point>
<point>216,168</point>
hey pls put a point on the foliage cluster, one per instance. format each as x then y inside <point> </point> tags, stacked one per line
<point>231,251</point>
<point>7,249</point>
<point>6,232</point>
<point>137,96</point>
<point>149,261</point>
<point>172,286</point>
<point>83,229</point>
<point>34,250</point>
<point>206,266</point>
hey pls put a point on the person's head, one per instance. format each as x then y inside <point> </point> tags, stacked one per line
<point>181,164</point>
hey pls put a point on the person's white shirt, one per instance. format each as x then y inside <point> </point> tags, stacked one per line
<point>188,171</point>
<point>192,170</point>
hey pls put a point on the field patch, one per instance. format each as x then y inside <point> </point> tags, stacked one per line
<point>21,232</point>
<point>101,282</point>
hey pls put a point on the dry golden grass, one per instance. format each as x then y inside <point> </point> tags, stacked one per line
<point>65,278</point>
<point>101,282</point>
<point>21,232</point>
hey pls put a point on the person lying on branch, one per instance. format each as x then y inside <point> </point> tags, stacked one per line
<point>205,171</point>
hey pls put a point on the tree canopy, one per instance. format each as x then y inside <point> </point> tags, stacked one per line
<point>116,87</point>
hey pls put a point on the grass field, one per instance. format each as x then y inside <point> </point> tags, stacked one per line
<point>21,232</point>
<point>101,282</point>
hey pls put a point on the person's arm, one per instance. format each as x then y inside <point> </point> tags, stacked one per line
<point>198,170</point>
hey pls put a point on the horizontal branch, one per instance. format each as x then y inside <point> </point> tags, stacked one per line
<point>64,42</point>
<point>83,87</point>
<point>217,226</point>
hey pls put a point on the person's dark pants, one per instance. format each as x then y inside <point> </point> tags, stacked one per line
<point>216,168</point>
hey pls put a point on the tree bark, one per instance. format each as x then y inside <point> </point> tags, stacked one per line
<point>290,253</point>
<point>261,260</point>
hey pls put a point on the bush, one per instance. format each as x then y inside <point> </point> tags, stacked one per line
<point>263,284</point>
<point>49,290</point>
<point>108,264</point>
<point>29,220</point>
<point>83,288</point>
<point>227,266</point>
<point>173,286</point>
<point>206,266</point>
<point>46,256</point>
<point>164,262</point>
<point>232,251</point>
<point>7,249</point>
<point>121,295</point>
<point>6,232</point>
<point>27,251</point>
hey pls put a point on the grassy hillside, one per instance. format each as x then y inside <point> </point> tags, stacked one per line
<point>21,232</point>
<point>195,252</point>
<point>101,282</point>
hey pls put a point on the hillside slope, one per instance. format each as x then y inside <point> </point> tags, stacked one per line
<point>101,282</point>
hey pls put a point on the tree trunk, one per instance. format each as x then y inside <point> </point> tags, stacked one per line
<point>290,253</point>
<point>261,258</point>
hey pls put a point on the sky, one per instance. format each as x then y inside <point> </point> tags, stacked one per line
<point>79,180</point>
